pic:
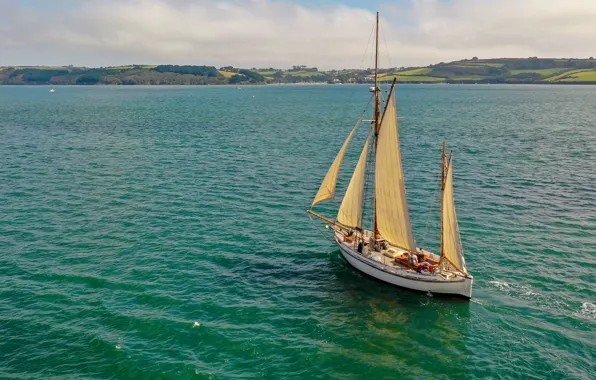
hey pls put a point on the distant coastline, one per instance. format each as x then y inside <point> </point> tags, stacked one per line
<point>531,70</point>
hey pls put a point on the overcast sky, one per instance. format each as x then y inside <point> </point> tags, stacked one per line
<point>263,33</point>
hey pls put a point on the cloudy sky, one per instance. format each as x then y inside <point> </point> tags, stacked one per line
<point>282,33</point>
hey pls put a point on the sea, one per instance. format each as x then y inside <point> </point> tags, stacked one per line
<point>161,233</point>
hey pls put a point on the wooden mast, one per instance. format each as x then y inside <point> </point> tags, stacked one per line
<point>377,116</point>
<point>377,90</point>
<point>443,164</point>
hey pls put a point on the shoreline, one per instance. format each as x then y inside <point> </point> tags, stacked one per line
<point>303,84</point>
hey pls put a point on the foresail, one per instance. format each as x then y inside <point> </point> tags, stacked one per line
<point>350,211</point>
<point>393,219</point>
<point>327,189</point>
<point>452,248</point>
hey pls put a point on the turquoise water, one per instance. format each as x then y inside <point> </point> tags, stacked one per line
<point>162,233</point>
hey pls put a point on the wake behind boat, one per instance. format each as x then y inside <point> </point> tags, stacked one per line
<point>388,251</point>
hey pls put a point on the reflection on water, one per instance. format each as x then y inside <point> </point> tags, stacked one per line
<point>400,326</point>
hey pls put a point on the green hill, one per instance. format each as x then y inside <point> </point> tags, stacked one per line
<point>499,70</point>
<point>126,75</point>
<point>506,70</point>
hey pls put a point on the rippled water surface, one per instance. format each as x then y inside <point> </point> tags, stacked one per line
<point>161,233</point>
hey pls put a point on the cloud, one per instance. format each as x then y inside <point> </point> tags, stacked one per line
<point>498,28</point>
<point>263,33</point>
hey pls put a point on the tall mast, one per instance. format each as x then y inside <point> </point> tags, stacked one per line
<point>377,92</point>
<point>377,113</point>
<point>443,164</point>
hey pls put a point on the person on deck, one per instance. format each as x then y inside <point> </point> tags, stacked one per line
<point>420,255</point>
<point>413,259</point>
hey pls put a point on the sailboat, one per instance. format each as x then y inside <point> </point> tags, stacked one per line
<point>387,251</point>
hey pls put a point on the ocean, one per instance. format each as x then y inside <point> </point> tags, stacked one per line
<point>161,233</point>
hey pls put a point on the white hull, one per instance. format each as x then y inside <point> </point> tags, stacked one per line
<point>461,286</point>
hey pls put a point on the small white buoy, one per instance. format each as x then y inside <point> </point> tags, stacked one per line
<point>253,96</point>
<point>52,90</point>
<point>196,324</point>
<point>118,346</point>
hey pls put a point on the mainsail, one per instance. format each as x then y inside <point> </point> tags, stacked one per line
<point>327,189</point>
<point>350,211</point>
<point>451,243</point>
<point>393,219</point>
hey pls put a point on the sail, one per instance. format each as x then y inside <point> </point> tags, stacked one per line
<point>350,211</point>
<point>393,219</point>
<point>327,189</point>
<point>451,248</point>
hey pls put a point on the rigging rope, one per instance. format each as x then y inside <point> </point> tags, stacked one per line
<point>318,228</point>
<point>349,102</point>
<point>359,121</point>
<point>386,47</point>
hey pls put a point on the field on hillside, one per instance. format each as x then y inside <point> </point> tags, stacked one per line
<point>564,75</point>
<point>419,71</point>
<point>544,72</point>
<point>412,78</point>
<point>581,76</point>
<point>227,74</point>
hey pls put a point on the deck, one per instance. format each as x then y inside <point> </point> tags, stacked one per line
<point>394,258</point>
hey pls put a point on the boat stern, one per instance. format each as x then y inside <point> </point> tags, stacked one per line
<point>468,283</point>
